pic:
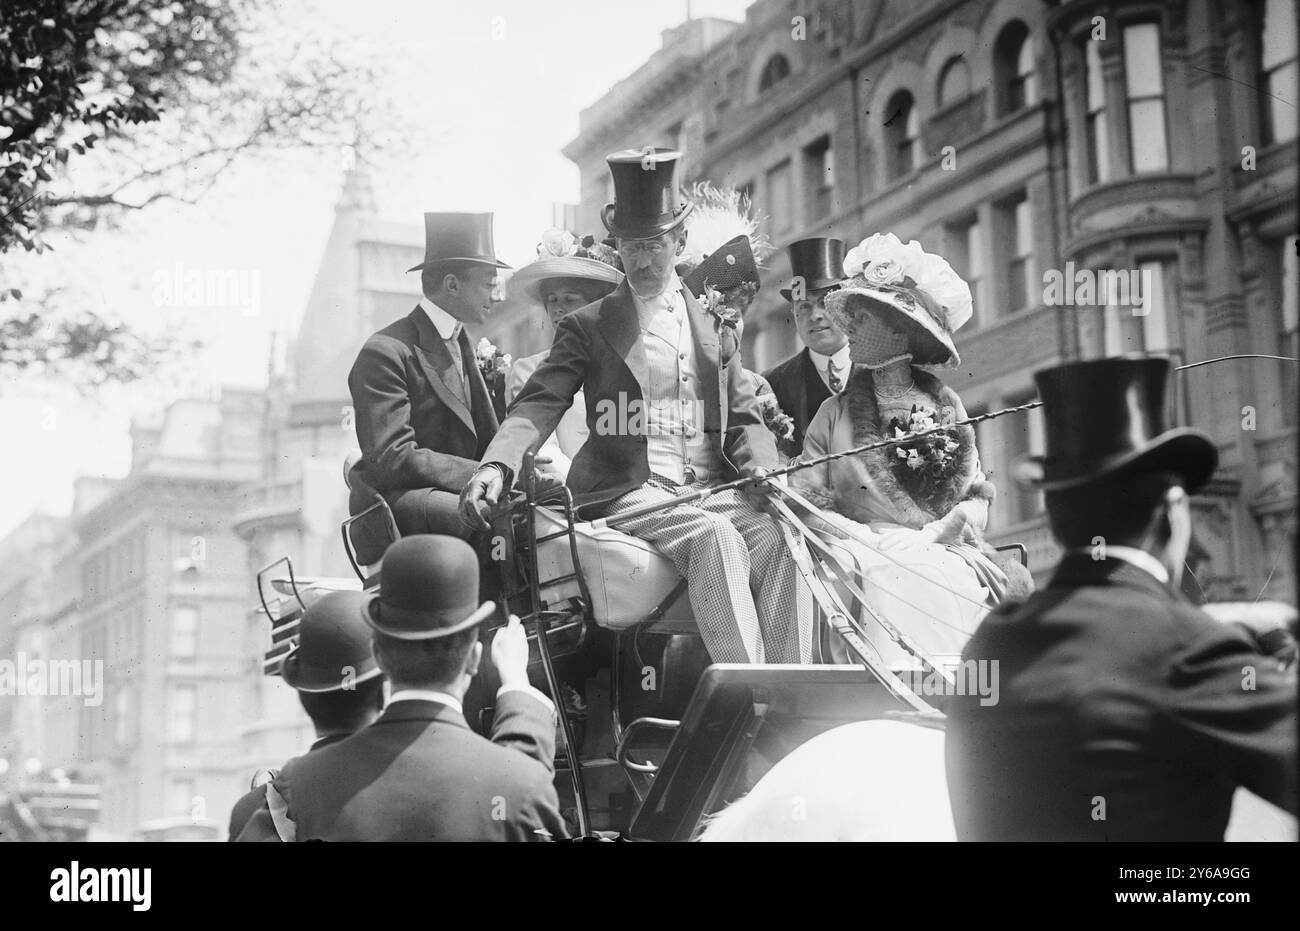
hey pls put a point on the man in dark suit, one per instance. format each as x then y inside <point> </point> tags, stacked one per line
<point>419,773</point>
<point>802,382</point>
<point>424,415</point>
<point>1120,711</point>
<point>338,682</point>
<point>667,414</point>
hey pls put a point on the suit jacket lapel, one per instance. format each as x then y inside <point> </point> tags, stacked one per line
<point>485,417</point>
<point>619,325</point>
<point>432,354</point>
<point>708,366</point>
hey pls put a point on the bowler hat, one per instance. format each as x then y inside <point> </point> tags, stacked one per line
<point>729,265</point>
<point>646,199</point>
<point>332,651</point>
<point>1106,417</point>
<point>458,237</point>
<point>818,261</point>
<point>429,589</point>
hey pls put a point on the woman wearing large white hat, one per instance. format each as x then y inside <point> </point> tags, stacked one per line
<point>922,505</point>
<point>568,273</point>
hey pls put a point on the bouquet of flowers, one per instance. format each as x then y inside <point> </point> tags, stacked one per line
<point>495,366</point>
<point>779,423</point>
<point>925,465</point>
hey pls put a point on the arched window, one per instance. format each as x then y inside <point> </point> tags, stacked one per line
<point>954,81</point>
<point>1017,79</point>
<point>902,134</point>
<point>776,70</point>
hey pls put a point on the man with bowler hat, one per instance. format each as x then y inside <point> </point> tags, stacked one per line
<point>667,413</point>
<point>1123,712</point>
<point>338,682</point>
<point>423,412</point>
<point>821,369</point>
<point>419,773</point>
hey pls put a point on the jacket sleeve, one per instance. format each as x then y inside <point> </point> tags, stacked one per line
<point>544,399</point>
<point>381,400</point>
<point>542,814</point>
<point>748,441</point>
<point>523,723</point>
<point>260,828</point>
<point>814,482</point>
<point>1231,703</point>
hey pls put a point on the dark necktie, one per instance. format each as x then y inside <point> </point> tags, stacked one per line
<point>833,378</point>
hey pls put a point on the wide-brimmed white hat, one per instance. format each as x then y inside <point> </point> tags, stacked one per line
<point>562,255</point>
<point>890,283</point>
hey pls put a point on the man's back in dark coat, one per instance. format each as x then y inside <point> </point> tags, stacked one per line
<point>420,774</point>
<point>1123,713</point>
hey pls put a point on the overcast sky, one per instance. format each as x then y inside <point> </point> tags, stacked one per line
<point>500,110</point>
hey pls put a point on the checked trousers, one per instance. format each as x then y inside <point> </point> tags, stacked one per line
<point>749,601</point>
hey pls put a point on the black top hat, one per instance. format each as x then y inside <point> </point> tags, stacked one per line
<point>646,201</point>
<point>818,261</point>
<point>332,651</point>
<point>429,589</point>
<point>458,237</point>
<point>1106,417</point>
<point>729,265</point>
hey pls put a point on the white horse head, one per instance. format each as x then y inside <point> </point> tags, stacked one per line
<point>869,781</point>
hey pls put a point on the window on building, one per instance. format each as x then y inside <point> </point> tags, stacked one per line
<point>965,244</point>
<point>124,717</point>
<point>902,134</point>
<point>1097,127</point>
<point>1016,220</point>
<point>1153,309</point>
<point>1135,314</point>
<point>818,179</point>
<point>954,81</point>
<point>774,72</point>
<point>780,198</point>
<point>1288,291</point>
<point>1014,69</point>
<point>1022,435</point>
<point>1278,75</point>
<point>182,704</point>
<point>180,796</point>
<point>1145,89</point>
<point>184,630</point>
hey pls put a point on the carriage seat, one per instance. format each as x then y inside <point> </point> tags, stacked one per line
<point>626,577</point>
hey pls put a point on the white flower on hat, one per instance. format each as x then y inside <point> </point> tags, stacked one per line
<point>882,259</point>
<point>557,242</point>
<point>936,278</point>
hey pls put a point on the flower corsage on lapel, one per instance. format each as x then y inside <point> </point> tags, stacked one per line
<point>494,366</point>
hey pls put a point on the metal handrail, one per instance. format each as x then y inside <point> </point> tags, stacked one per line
<point>544,647</point>
<point>393,532</point>
<point>624,742</point>
<point>293,583</point>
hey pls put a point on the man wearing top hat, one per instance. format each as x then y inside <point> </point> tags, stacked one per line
<point>651,347</point>
<point>1123,712</point>
<point>418,773</point>
<point>821,369</point>
<point>423,412</point>
<point>338,682</point>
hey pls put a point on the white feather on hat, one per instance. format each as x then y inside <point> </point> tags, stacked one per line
<point>720,215</point>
